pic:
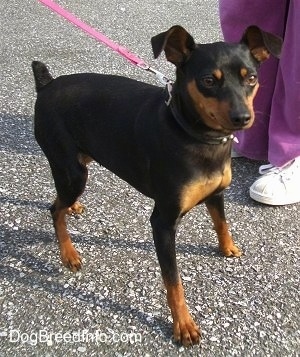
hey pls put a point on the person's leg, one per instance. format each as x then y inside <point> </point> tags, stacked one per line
<point>280,185</point>
<point>235,16</point>
<point>284,127</point>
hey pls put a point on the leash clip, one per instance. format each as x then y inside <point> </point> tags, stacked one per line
<point>160,76</point>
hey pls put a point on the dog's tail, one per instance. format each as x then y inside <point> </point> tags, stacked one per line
<point>41,75</point>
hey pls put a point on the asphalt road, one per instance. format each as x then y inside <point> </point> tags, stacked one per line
<point>116,305</point>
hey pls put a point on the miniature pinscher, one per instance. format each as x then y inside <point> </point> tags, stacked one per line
<point>178,154</point>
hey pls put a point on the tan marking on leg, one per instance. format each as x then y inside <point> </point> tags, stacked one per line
<point>226,244</point>
<point>76,208</point>
<point>185,329</point>
<point>69,256</point>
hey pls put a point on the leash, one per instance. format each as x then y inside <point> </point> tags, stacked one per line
<point>124,52</point>
<point>135,60</point>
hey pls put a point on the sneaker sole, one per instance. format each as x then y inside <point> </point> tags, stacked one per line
<point>271,201</point>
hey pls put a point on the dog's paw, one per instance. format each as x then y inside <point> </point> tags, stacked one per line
<point>186,332</point>
<point>71,259</point>
<point>76,208</point>
<point>231,251</point>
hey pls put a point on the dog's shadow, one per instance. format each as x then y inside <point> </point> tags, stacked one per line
<point>33,251</point>
<point>40,267</point>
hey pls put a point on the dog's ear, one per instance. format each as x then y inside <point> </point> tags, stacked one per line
<point>261,43</point>
<point>176,42</point>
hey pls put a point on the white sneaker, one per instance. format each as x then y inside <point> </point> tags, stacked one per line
<point>278,185</point>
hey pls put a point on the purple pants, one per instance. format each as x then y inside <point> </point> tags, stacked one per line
<point>275,134</point>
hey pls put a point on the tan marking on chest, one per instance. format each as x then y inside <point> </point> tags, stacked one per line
<point>197,190</point>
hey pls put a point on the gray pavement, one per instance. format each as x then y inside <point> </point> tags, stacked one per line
<point>116,305</point>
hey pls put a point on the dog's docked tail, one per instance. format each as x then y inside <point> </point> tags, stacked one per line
<point>41,75</point>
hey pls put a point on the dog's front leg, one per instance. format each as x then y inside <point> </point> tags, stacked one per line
<point>184,328</point>
<point>215,206</point>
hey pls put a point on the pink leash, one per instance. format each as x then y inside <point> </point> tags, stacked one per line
<point>131,57</point>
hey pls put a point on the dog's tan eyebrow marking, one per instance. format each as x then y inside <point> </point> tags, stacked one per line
<point>218,74</point>
<point>244,72</point>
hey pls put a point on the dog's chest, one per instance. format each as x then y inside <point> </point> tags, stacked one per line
<point>199,189</point>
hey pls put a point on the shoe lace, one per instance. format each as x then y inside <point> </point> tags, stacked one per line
<point>265,169</point>
<point>284,173</point>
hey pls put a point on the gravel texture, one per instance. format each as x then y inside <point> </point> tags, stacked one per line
<point>116,305</point>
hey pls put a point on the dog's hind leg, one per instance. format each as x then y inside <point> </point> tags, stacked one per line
<point>70,180</point>
<point>77,207</point>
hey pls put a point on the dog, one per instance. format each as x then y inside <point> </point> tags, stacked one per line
<point>173,146</point>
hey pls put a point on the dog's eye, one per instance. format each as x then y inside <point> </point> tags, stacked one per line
<point>208,81</point>
<point>251,80</point>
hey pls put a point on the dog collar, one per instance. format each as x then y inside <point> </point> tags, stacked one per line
<point>204,139</point>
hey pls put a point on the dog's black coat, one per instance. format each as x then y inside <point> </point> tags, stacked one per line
<point>179,155</point>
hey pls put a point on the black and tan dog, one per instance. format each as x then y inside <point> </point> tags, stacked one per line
<point>177,154</point>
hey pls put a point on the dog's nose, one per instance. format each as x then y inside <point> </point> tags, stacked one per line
<point>240,119</point>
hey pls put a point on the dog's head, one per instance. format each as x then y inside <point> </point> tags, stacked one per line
<point>218,80</point>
